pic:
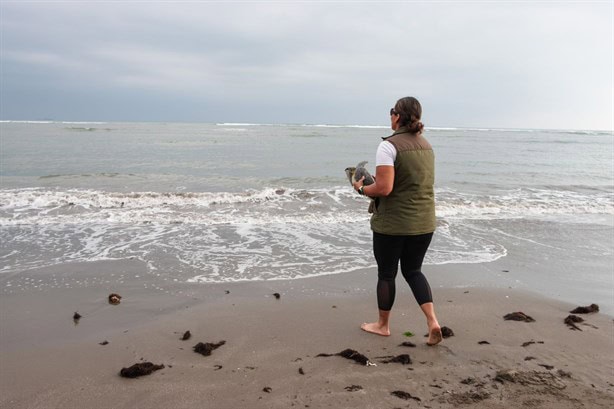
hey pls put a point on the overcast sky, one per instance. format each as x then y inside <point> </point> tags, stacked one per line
<point>512,64</point>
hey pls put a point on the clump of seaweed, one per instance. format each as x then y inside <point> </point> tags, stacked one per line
<point>403,359</point>
<point>205,348</point>
<point>518,316</point>
<point>526,344</point>
<point>140,369</point>
<point>447,332</point>
<point>76,317</point>
<point>571,322</point>
<point>586,310</point>
<point>405,395</point>
<point>114,298</point>
<point>351,354</point>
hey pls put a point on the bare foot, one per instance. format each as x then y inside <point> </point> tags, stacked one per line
<point>435,336</point>
<point>376,328</point>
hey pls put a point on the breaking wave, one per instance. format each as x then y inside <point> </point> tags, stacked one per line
<point>266,234</point>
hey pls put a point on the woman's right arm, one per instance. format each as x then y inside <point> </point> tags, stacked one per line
<point>384,180</point>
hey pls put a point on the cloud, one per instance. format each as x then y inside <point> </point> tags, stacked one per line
<point>486,63</point>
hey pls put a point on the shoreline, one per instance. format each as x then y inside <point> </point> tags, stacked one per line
<point>48,361</point>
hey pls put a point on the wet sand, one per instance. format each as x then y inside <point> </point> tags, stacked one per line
<point>269,357</point>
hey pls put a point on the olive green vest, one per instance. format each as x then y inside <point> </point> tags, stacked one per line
<point>410,208</point>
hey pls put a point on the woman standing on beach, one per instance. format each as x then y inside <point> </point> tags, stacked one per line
<point>403,221</point>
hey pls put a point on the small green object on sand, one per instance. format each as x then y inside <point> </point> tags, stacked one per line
<point>408,334</point>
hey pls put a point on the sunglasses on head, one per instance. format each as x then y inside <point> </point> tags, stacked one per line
<point>393,112</point>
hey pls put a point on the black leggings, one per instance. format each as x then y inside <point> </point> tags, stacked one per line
<point>388,250</point>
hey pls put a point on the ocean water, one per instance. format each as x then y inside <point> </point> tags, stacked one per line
<point>206,203</point>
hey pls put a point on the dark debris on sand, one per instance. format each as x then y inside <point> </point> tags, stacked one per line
<point>526,344</point>
<point>404,395</point>
<point>563,374</point>
<point>140,369</point>
<point>530,378</point>
<point>446,332</point>
<point>105,342</point>
<point>186,335</point>
<point>277,296</point>
<point>571,322</point>
<point>114,299</point>
<point>484,343</point>
<point>76,317</point>
<point>351,354</point>
<point>403,359</point>
<point>407,344</point>
<point>586,310</point>
<point>353,388</point>
<point>552,383</point>
<point>300,370</point>
<point>464,398</point>
<point>267,389</point>
<point>518,316</point>
<point>206,348</point>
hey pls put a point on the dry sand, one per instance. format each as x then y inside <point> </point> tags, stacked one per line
<point>269,356</point>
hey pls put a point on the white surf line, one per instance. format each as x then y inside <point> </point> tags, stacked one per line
<point>524,239</point>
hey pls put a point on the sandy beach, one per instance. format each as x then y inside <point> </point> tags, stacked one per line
<point>269,358</point>
<point>179,227</point>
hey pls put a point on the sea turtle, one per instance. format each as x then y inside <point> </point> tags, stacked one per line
<point>354,174</point>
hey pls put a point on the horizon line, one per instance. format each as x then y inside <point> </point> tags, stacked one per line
<point>434,127</point>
